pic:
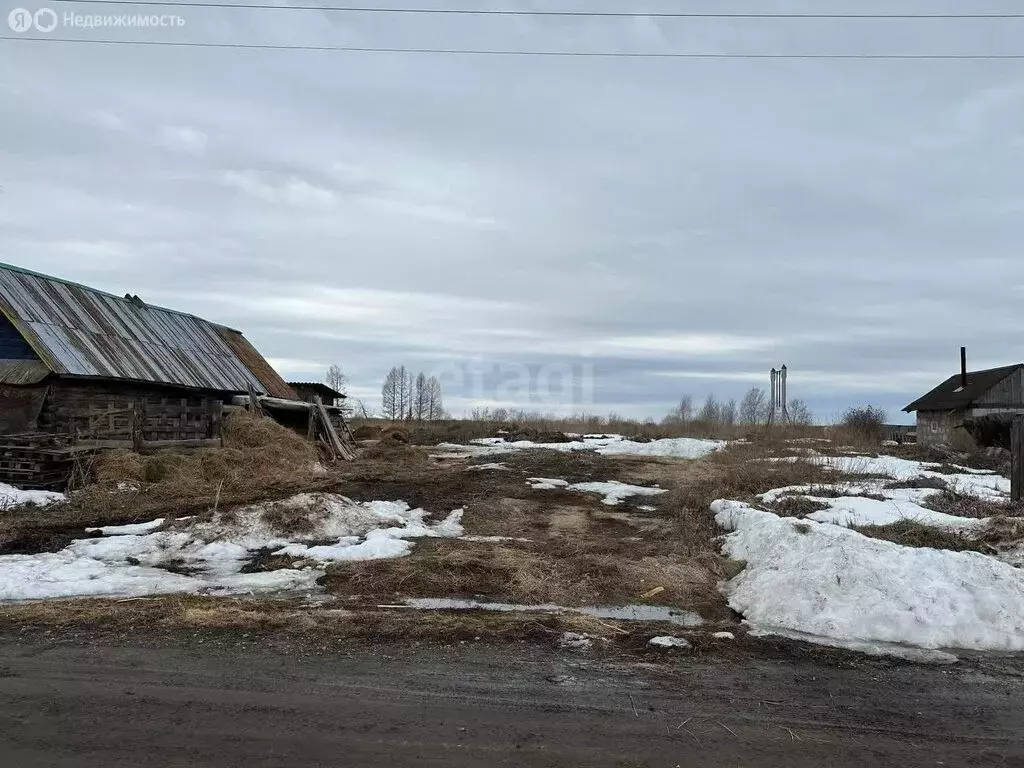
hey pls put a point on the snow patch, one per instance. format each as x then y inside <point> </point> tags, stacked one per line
<point>621,612</point>
<point>127,530</point>
<point>610,445</point>
<point>131,560</point>
<point>577,641</point>
<point>668,641</point>
<point>833,583</point>
<point>16,497</point>
<point>613,491</point>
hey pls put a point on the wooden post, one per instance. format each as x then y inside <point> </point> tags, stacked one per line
<point>1017,458</point>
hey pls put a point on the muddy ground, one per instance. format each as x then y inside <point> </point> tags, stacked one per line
<point>525,546</point>
<point>221,698</point>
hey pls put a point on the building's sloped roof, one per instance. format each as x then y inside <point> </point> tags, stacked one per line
<point>949,396</point>
<point>79,331</point>
<point>320,387</point>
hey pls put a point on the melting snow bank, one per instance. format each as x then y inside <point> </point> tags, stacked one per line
<point>197,555</point>
<point>15,497</point>
<point>835,586</point>
<point>620,612</point>
<point>854,508</point>
<point>610,445</point>
<point>613,491</point>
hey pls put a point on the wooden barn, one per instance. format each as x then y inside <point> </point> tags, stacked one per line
<point>78,364</point>
<point>967,395</point>
<point>307,391</point>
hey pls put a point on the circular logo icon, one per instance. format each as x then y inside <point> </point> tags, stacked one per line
<point>20,20</point>
<point>45,19</point>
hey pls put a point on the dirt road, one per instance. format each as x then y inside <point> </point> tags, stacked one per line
<point>77,704</point>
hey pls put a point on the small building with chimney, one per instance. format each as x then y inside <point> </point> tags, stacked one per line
<point>967,396</point>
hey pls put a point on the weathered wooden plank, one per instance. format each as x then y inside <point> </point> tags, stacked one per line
<point>1017,458</point>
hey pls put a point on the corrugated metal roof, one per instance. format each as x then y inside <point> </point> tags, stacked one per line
<point>79,331</point>
<point>246,352</point>
<point>322,388</point>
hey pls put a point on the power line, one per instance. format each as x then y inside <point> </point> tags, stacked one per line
<point>583,14</point>
<point>510,52</point>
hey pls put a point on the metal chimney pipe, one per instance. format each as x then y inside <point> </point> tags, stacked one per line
<point>963,367</point>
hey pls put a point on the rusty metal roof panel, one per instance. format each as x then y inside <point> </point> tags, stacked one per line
<point>79,331</point>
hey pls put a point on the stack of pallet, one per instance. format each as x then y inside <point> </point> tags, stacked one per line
<point>40,460</point>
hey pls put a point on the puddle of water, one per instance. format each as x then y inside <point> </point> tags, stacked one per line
<point>621,612</point>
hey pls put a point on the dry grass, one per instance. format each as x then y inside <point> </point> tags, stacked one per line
<point>909,533</point>
<point>919,482</point>
<point>559,572</point>
<point>953,502</point>
<point>554,429</point>
<point>168,615</point>
<point>740,472</point>
<point>260,460</point>
<point>797,506</point>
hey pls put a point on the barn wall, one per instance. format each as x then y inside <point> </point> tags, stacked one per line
<point>19,408</point>
<point>939,427</point>
<point>109,411</point>
<point>1008,392</point>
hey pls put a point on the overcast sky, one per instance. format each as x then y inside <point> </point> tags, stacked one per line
<point>666,226</point>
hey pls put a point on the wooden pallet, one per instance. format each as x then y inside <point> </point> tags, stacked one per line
<point>40,460</point>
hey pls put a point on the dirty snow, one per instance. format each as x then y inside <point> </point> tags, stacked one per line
<point>210,553</point>
<point>610,445</point>
<point>901,504</point>
<point>613,491</point>
<point>839,587</point>
<point>974,482</point>
<point>577,641</point>
<point>620,612</point>
<point>15,497</point>
<point>723,635</point>
<point>853,508</point>
<point>668,641</point>
<point>491,466</point>
<point>127,530</point>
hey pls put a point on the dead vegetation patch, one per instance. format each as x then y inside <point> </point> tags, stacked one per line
<point>394,451</point>
<point>797,506</point>
<point>910,533</point>
<point>573,466</point>
<point>919,482</point>
<point>260,459</point>
<point>559,572</point>
<point>952,502</point>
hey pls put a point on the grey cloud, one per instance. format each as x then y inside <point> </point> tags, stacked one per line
<point>679,226</point>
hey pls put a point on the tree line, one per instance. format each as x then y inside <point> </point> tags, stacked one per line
<point>752,410</point>
<point>407,397</point>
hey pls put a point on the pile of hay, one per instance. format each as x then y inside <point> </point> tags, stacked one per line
<point>257,452</point>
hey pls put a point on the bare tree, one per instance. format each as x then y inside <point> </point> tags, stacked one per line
<point>435,408</point>
<point>404,389</point>
<point>682,413</point>
<point>800,414</point>
<point>710,412</point>
<point>728,413</point>
<point>359,408</point>
<point>336,380</point>
<point>390,400</point>
<point>753,407</point>
<point>420,396</point>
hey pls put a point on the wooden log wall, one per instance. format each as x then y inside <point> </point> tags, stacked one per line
<point>135,413</point>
